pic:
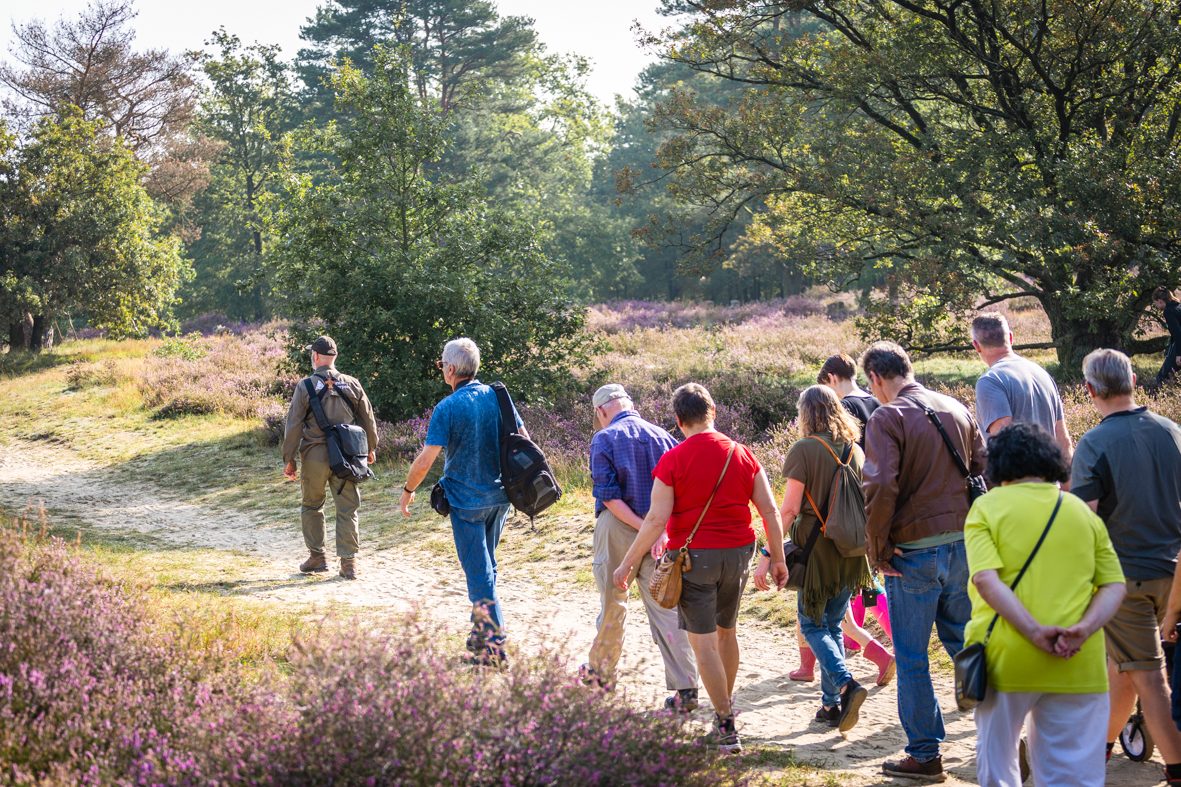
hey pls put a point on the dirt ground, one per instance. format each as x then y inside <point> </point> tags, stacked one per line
<point>774,710</point>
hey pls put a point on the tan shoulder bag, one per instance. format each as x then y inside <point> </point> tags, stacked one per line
<point>665,584</point>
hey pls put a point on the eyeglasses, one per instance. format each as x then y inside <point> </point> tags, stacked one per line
<point>439,365</point>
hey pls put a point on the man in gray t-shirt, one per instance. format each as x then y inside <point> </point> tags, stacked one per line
<point>1014,389</point>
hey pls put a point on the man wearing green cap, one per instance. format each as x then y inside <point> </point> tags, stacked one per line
<point>344,402</point>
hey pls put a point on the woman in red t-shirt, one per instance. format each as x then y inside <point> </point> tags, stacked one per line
<point>721,549</point>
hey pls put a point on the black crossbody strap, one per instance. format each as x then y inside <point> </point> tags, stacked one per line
<point>1028,560</point>
<point>947,441</point>
<point>324,392</point>
<point>317,406</point>
<point>508,424</point>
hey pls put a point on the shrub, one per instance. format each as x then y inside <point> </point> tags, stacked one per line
<point>232,375</point>
<point>81,375</point>
<point>94,691</point>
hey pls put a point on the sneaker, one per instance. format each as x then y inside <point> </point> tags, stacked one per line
<point>315,563</point>
<point>724,736</point>
<point>851,698</point>
<point>910,768</point>
<point>830,716</point>
<point>684,701</point>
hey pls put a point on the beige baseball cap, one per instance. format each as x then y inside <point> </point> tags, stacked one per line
<point>608,393</point>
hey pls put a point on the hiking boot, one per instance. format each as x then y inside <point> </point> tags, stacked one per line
<point>910,768</point>
<point>348,567</point>
<point>851,698</point>
<point>684,701</point>
<point>315,563</point>
<point>830,716</point>
<point>807,670</point>
<point>724,736</point>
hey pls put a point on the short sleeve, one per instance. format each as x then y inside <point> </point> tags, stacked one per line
<point>1107,567</point>
<point>991,402</point>
<point>752,461</point>
<point>795,466</point>
<point>439,429</point>
<point>666,468</point>
<point>1086,480</point>
<point>979,541</point>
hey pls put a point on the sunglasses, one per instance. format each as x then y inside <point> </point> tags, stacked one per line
<point>439,365</point>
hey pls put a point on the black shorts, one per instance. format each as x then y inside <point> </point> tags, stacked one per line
<point>711,591</point>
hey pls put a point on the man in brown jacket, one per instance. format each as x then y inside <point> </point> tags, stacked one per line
<point>344,402</point>
<point>916,501</point>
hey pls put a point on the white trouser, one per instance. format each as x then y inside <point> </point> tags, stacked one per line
<point>1067,737</point>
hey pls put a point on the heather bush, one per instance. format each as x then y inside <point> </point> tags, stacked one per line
<point>90,694</point>
<point>396,710</point>
<point>81,374</point>
<point>232,375</point>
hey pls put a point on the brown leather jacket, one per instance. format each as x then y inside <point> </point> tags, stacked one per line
<point>913,488</point>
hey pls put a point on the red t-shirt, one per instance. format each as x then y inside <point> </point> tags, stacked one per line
<point>692,469</point>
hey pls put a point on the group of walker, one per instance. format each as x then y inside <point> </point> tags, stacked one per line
<point>1062,588</point>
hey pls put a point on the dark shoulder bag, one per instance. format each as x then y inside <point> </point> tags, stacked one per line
<point>348,446</point>
<point>797,556</point>
<point>975,483</point>
<point>971,668</point>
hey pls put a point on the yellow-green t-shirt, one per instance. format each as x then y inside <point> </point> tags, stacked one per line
<point>1076,558</point>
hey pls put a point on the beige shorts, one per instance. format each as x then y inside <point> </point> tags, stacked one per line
<point>1133,635</point>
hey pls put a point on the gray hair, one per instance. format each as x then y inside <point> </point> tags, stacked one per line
<point>1109,372</point>
<point>463,355</point>
<point>991,330</point>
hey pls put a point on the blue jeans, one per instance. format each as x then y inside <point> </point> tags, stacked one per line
<point>477,532</point>
<point>933,590</point>
<point>827,642</point>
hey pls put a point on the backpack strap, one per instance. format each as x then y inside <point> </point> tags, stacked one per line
<point>842,462</point>
<point>508,424</point>
<point>317,406</point>
<point>330,382</point>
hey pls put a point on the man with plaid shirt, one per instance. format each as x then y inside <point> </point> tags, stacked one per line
<point>623,454</point>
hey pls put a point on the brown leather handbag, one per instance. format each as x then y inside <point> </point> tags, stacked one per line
<point>665,584</point>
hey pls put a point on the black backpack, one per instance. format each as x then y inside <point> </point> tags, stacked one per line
<point>348,446</point>
<point>528,480</point>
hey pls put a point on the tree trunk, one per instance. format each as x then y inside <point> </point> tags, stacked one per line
<point>42,330</point>
<point>1074,337</point>
<point>16,337</point>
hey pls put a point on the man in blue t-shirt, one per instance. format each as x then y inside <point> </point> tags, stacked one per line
<point>466,424</point>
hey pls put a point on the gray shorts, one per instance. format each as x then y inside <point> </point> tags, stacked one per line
<point>710,592</point>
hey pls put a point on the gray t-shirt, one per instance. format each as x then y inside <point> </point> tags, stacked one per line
<point>1131,464</point>
<point>1020,389</point>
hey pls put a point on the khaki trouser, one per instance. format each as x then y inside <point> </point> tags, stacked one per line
<point>314,475</point>
<point>611,542</point>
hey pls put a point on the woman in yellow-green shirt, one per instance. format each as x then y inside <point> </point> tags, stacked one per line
<point>1045,654</point>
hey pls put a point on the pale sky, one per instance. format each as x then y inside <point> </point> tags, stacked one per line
<point>598,29</point>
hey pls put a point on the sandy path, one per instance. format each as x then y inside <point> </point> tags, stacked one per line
<point>774,709</point>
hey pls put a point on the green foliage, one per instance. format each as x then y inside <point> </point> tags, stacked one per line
<point>187,348</point>
<point>248,108</point>
<point>970,150</point>
<point>393,259</point>
<point>80,234</point>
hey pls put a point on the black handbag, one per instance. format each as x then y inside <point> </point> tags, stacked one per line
<point>439,500</point>
<point>975,483</point>
<point>971,667</point>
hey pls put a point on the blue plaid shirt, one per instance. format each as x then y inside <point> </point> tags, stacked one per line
<point>622,457</point>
